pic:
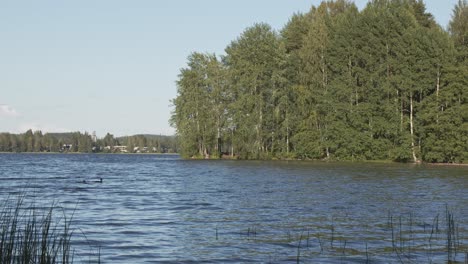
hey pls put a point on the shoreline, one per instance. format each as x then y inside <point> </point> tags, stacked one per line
<point>447,164</point>
<point>235,159</point>
<point>80,153</point>
<point>336,161</point>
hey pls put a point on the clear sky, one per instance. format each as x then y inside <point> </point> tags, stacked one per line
<point>111,65</point>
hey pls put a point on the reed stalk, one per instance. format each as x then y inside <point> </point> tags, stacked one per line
<point>32,235</point>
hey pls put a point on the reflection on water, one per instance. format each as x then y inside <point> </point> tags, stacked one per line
<point>158,208</point>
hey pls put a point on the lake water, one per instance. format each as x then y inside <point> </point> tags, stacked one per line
<point>161,209</point>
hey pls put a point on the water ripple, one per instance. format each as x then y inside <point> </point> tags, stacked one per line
<point>160,209</point>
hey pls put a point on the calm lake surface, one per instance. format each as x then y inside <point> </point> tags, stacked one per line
<point>161,209</point>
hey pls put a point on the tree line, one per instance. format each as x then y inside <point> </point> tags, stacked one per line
<point>384,83</point>
<point>84,143</point>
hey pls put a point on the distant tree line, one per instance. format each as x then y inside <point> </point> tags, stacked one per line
<point>84,143</point>
<point>384,83</point>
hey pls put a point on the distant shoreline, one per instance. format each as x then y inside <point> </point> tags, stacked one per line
<point>97,153</point>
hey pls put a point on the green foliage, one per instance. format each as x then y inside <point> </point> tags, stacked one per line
<point>200,110</point>
<point>255,62</point>
<point>445,116</point>
<point>386,83</point>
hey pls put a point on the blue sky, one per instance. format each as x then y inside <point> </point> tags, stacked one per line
<point>110,65</point>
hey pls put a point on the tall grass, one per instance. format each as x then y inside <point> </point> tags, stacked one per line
<point>34,235</point>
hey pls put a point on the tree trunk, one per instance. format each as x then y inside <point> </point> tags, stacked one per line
<point>415,159</point>
<point>232,143</point>
<point>401,114</point>
<point>199,143</point>
<point>205,153</point>
<point>272,150</point>
<point>259,131</point>
<point>437,95</point>
<point>218,142</point>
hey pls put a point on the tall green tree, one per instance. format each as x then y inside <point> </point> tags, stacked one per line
<point>254,60</point>
<point>28,139</point>
<point>50,143</point>
<point>446,115</point>
<point>316,107</point>
<point>199,114</point>
<point>293,38</point>
<point>38,144</point>
<point>85,143</point>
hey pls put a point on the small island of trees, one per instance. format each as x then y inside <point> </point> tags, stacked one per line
<point>384,83</point>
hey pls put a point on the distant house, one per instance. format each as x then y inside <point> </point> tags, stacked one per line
<point>120,148</point>
<point>66,147</point>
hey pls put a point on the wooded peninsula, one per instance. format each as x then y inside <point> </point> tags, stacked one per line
<point>336,83</point>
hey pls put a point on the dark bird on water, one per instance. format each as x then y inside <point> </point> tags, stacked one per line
<point>86,182</point>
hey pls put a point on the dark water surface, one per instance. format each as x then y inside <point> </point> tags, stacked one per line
<point>159,208</point>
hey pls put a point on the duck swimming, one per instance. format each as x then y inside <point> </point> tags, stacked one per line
<point>100,181</point>
<point>86,182</point>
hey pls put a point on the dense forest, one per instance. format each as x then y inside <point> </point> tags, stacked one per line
<point>85,143</point>
<point>384,83</point>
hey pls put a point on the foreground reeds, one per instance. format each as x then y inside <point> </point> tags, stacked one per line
<point>34,235</point>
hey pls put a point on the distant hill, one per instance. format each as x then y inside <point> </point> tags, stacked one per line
<point>147,136</point>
